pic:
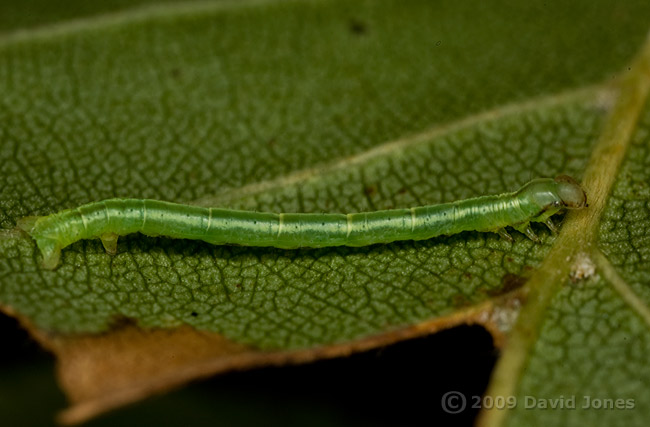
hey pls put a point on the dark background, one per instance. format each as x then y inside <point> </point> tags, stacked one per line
<point>398,385</point>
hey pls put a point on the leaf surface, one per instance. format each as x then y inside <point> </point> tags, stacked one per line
<point>325,106</point>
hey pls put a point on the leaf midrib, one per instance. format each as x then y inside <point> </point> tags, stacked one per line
<point>579,231</point>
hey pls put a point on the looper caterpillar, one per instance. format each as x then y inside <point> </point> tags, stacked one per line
<point>536,201</point>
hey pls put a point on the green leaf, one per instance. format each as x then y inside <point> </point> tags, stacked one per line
<point>332,106</point>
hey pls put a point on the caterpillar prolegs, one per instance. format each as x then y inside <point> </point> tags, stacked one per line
<point>536,201</point>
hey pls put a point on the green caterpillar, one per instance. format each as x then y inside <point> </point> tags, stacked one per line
<point>536,201</point>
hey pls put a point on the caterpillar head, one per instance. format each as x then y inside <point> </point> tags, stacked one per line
<point>570,194</point>
<point>552,195</point>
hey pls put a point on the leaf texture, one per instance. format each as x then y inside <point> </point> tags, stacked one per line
<point>330,106</point>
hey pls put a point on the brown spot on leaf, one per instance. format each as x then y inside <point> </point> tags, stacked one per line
<point>175,73</point>
<point>510,282</point>
<point>357,27</point>
<point>120,321</point>
<point>460,300</point>
<point>370,190</point>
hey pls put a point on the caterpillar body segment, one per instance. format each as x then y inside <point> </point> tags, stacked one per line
<point>536,201</point>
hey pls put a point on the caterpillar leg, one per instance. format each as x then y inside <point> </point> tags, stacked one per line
<point>528,231</point>
<point>551,226</point>
<point>109,241</point>
<point>51,253</point>
<point>503,233</point>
